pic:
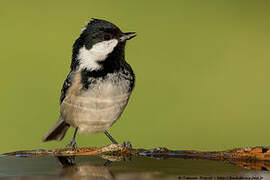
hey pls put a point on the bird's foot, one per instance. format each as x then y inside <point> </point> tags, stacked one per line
<point>127,144</point>
<point>72,144</point>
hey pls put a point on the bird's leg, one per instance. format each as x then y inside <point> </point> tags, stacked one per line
<point>73,143</point>
<point>128,144</point>
<point>110,137</point>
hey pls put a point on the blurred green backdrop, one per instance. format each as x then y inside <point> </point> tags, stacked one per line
<point>202,71</point>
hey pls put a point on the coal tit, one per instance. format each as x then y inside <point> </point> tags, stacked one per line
<point>99,85</point>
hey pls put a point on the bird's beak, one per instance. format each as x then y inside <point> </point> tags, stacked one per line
<point>127,36</point>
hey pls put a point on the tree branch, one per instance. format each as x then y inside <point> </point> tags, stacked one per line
<point>251,157</point>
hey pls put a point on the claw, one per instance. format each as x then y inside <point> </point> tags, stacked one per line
<point>72,144</point>
<point>127,144</point>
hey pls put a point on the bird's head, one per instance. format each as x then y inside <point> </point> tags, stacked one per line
<point>98,41</point>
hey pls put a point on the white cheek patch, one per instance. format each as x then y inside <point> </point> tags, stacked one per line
<point>88,58</point>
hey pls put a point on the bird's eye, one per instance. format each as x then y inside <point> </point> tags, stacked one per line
<point>107,37</point>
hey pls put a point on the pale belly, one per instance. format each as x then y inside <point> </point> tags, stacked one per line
<point>93,113</point>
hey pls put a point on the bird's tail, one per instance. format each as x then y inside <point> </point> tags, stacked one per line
<point>57,132</point>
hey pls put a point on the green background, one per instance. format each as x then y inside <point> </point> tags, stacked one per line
<point>202,71</point>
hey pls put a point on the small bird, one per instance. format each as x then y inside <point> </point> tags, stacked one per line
<point>99,84</point>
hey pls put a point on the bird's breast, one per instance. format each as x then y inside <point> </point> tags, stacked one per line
<point>95,109</point>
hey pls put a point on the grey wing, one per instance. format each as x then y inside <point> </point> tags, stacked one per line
<point>66,86</point>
